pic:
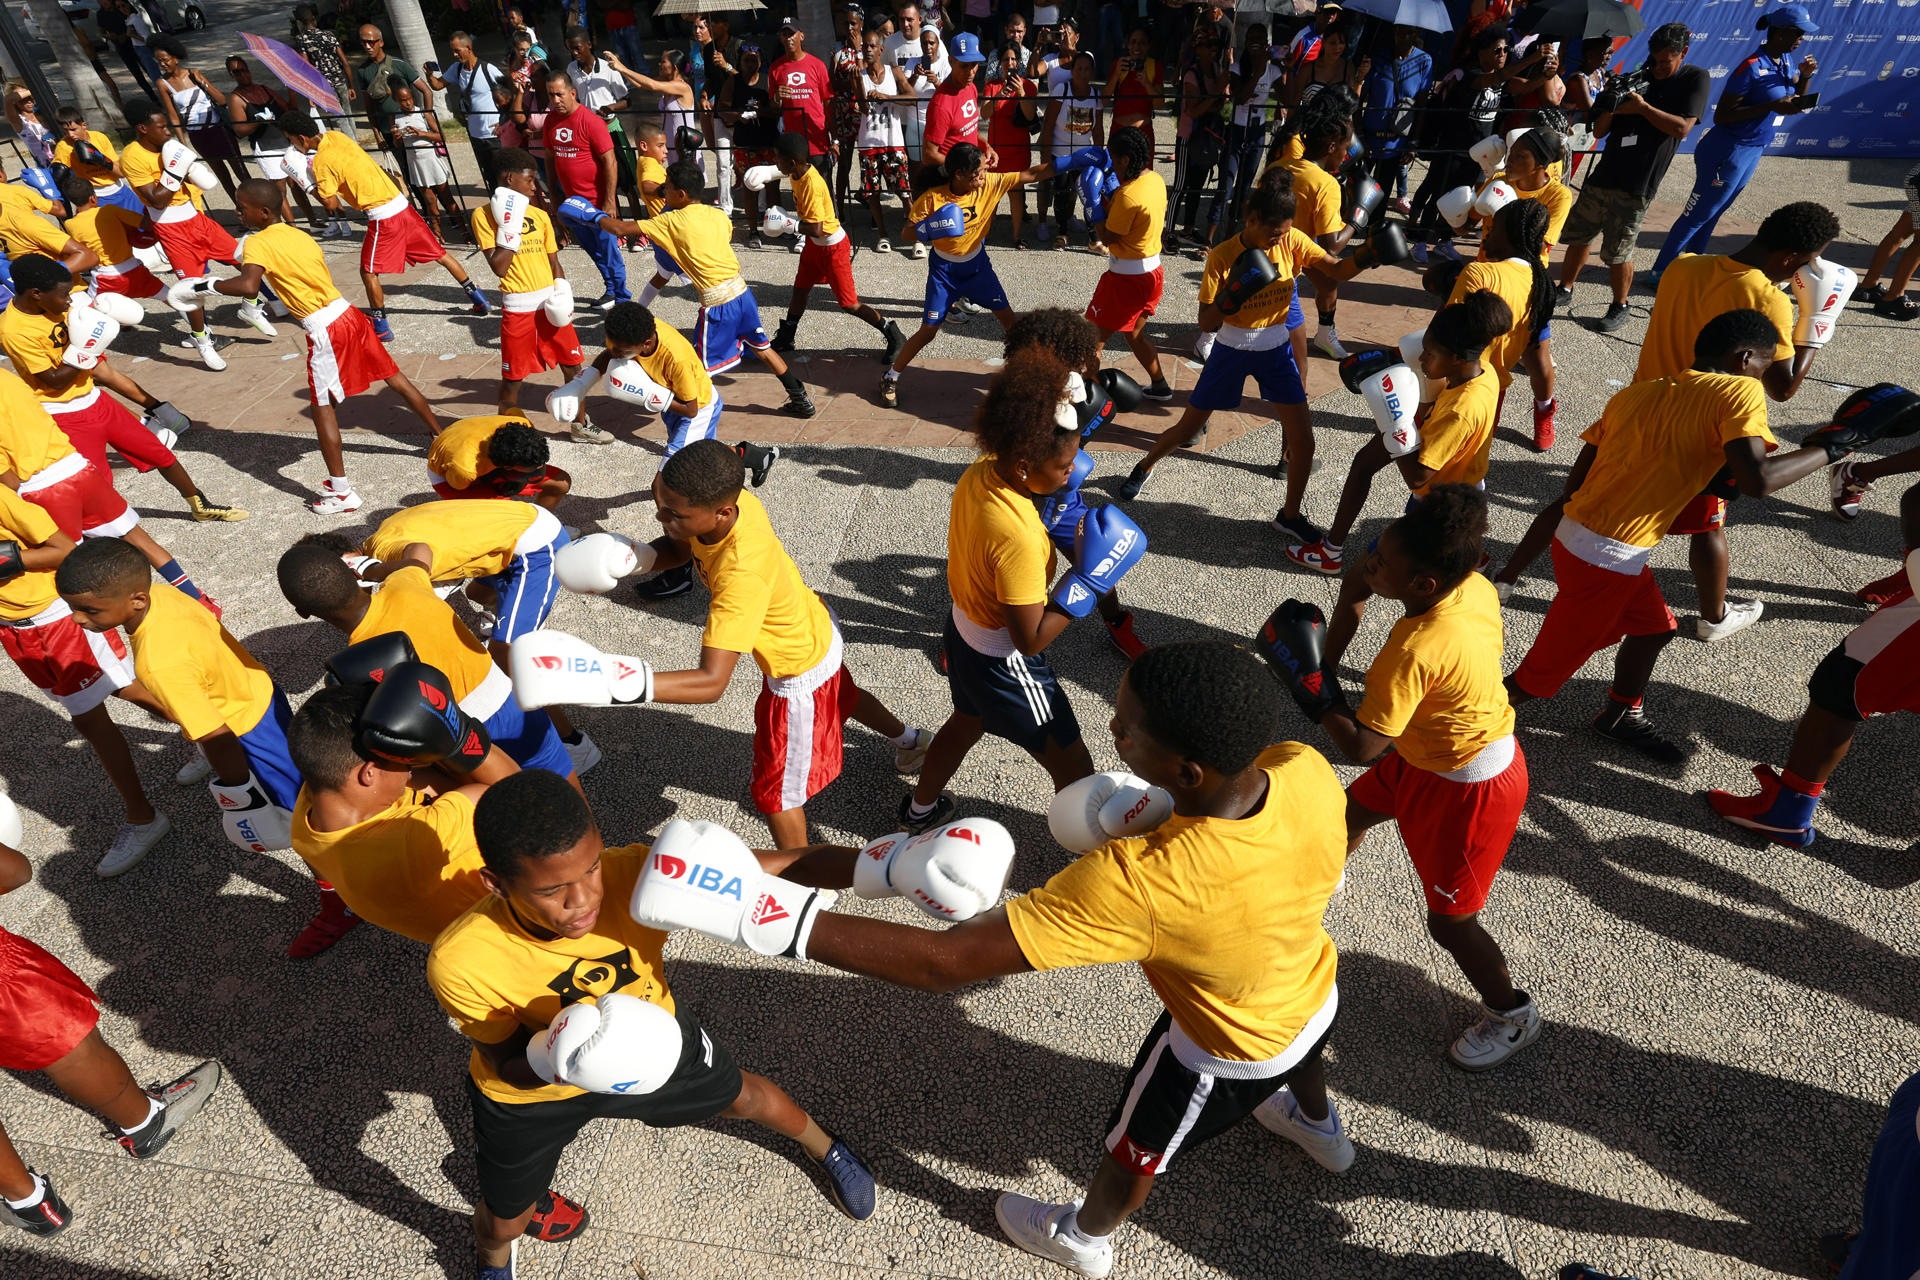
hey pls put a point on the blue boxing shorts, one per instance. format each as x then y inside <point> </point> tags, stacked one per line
<point>529,585</point>
<point>722,330</point>
<point>704,425</point>
<point>667,266</point>
<point>529,738</point>
<point>267,753</point>
<point>974,280</point>
<point>1224,376</point>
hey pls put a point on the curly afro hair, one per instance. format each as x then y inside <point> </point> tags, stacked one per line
<point>518,446</point>
<point>629,324</point>
<point>1731,331</point>
<point>1016,420</point>
<point>1800,227</point>
<point>1464,328</point>
<point>1444,534</point>
<point>1209,701</point>
<point>1067,334</point>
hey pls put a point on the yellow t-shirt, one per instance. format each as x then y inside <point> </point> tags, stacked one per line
<point>406,603</point>
<point>812,202</point>
<point>1456,431</point>
<point>458,455</point>
<point>1316,195</point>
<point>1137,214</point>
<point>35,344</point>
<point>413,868</point>
<point>30,439</point>
<point>493,977</point>
<point>1559,202</point>
<point>1292,151</point>
<point>651,177</point>
<point>978,205</point>
<point>760,604</point>
<point>530,270</point>
<point>469,539</point>
<point>676,366</point>
<point>27,523</point>
<point>104,230</point>
<point>1659,443</point>
<point>294,266</point>
<point>203,678</point>
<point>1693,290</point>
<point>1512,280</point>
<point>1294,253</point>
<point>1436,687</point>
<point>697,237</point>
<point>998,552</point>
<point>1224,915</point>
<point>142,169</point>
<point>24,231</point>
<point>17,195</point>
<point>92,173</point>
<point>342,167</point>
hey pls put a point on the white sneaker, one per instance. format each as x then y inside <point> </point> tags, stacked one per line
<point>585,753</point>
<point>1327,343</point>
<point>332,502</point>
<point>1034,1225</point>
<point>584,432</point>
<point>132,843</point>
<point>255,315</point>
<point>883,245</point>
<point>209,354</point>
<point>1281,1114</point>
<point>908,760</point>
<point>1496,1037</point>
<point>918,252</point>
<point>483,623</point>
<point>195,770</point>
<point>1741,614</point>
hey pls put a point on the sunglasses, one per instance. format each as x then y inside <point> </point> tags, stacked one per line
<point>749,48</point>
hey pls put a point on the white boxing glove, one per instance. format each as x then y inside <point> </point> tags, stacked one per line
<point>594,565</point>
<point>1394,397</point>
<point>185,295</point>
<point>565,401</point>
<point>1494,197</point>
<point>509,209</point>
<point>559,303</point>
<point>252,821</point>
<point>119,308</point>
<point>757,178</point>
<point>11,830</point>
<point>952,873</point>
<point>699,875</point>
<point>628,380</point>
<point>1820,292</point>
<point>176,157</point>
<point>1412,347</point>
<point>201,175</point>
<point>552,668</point>
<point>1086,814</point>
<point>89,333</point>
<point>1489,153</point>
<point>778,222</point>
<point>299,167</point>
<point>618,1044</point>
<point>1203,347</point>
<point>1455,206</point>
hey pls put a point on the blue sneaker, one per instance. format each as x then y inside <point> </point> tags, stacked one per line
<point>849,1181</point>
<point>482,1271</point>
<point>1778,812</point>
<point>481,306</point>
<point>381,329</point>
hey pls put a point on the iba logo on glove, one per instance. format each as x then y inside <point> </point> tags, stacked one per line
<point>552,662</point>
<point>704,878</point>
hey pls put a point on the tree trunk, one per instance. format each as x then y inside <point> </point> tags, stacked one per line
<point>92,95</point>
<point>416,44</point>
<point>816,19</point>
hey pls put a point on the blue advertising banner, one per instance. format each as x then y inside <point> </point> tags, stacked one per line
<point>1868,82</point>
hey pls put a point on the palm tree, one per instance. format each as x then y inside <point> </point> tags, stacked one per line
<point>93,97</point>
<point>416,42</point>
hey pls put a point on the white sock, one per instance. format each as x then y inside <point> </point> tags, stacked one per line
<point>891,375</point>
<point>154,1108</point>
<point>647,294</point>
<point>1070,1229</point>
<point>339,484</point>
<point>1544,404</point>
<point>907,738</point>
<point>1328,1126</point>
<point>917,810</point>
<point>39,1193</point>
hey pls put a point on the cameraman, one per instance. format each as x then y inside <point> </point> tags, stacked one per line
<point>1642,130</point>
<point>1760,90</point>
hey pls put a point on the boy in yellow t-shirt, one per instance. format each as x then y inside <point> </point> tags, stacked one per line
<point>762,607</point>
<point>556,933</point>
<point>224,701</point>
<point>1655,447</point>
<point>495,455</point>
<point>91,156</point>
<point>532,285</point>
<point>826,253</point>
<point>1437,729</point>
<point>650,177</point>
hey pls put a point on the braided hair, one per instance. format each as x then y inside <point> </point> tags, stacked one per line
<point>1335,102</point>
<point>1129,143</point>
<point>1524,223</point>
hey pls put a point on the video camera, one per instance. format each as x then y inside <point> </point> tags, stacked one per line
<point>1620,84</point>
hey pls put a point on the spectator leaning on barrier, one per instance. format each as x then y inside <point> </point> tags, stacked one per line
<point>1642,130</point>
<point>376,78</point>
<point>471,85</point>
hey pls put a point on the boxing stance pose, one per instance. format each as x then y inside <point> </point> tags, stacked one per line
<point>1129,221</point>
<point>826,257</point>
<point>536,298</point>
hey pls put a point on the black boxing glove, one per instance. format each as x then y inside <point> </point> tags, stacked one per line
<point>1869,414</point>
<point>368,661</point>
<point>11,565</point>
<point>413,719</point>
<point>1293,642</point>
<point>1127,394</point>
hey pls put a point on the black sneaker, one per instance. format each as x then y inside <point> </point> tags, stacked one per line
<point>180,1102</point>
<point>890,393</point>
<point>755,242</point>
<point>48,1218</point>
<point>896,342</point>
<point>944,810</point>
<point>799,403</point>
<point>1158,391</point>
<point>783,336</point>
<point>1562,296</point>
<point>1303,530</point>
<point>1630,727</point>
<point>668,582</point>
<point>1135,482</point>
<point>1617,315</point>
<point>759,459</point>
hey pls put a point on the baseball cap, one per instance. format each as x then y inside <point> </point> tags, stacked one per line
<point>965,47</point>
<point>1789,15</point>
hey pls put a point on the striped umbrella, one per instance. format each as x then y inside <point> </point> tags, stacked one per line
<point>295,72</point>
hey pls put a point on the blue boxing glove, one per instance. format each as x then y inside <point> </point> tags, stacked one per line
<point>1106,546</point>
<point>581,209</point>
<point>1096,188</point>
<point>1066,499</point>
<point>1085,157</point>
<point>944,223</point>
<point>43,181</point>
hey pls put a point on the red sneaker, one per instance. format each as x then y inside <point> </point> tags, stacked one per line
<point>213,606</point>
<point>1543,425</point>
<point>328,926</point>
<point>556,1218</point>
<point>1888,590</point>
<point>1120,631</point>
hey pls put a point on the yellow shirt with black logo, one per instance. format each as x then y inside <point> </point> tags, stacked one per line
<point>1294,253</point>
<point>812,202</point>
<point>342,167</point>
<point>93,174</point>
<point>1693,290</point>
<point>1223,915</point>
<point>412,869</point>
<point>35,344</point>
<point>406,603</point>
<point>1512,281</point>
<point>1659,443</point>
<point>494,978</point>
<point>1456,431</point>
<point>675,365</point>
<point>1435,687</point>
<point>458,454</point>
<point>294,266</point>
<point>202,677</point>
<point>141,165</point>
<point>27,523</point>
<point>469,539</point>
<point>760,604</point>
<point>1137,214</point>
<point>998,552</point>
<point>530,269</point>
<point>978,205</point>
<point>30,439</point>
<point>697,236</point>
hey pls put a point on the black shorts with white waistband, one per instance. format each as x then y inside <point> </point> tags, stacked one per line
<point>1016,697</point>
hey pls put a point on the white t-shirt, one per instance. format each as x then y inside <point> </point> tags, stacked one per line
<point>880,122</point>
<point>1073,127</point>
<point>904,53</point>
<point>1254,108</point>
<point>599,86</point>
<point>922,87</point>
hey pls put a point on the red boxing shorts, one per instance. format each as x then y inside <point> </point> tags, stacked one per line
<point>1457,833</point>
<point>344,355</point>
<point>530,343</point>
<point>399,241</point>
<point>77,668</point>
<point>1876,669</point>
<point>797,735</point>
<point>1703,515</point>
<point>45,1009</point>
<point>831,265</point>
<point>135,282</point>
<point>80,498</point>
<point>481,489</point>
<point>192,243</point>
<point>1121,302</point>
<point>1592,609</point>
<point>98,422</point>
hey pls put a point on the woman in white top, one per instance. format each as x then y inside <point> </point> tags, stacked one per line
<point>194,107</point>
<point>25,119</point>
<point>881,138</point>
<point>922,80</point>
<point>1074,120</point>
